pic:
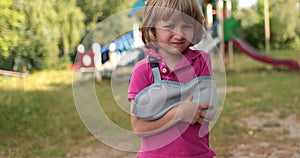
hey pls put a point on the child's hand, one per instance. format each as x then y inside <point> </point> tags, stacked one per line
<point>192,112</point>
<point>203,114</point>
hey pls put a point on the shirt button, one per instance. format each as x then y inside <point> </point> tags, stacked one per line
<point>164,70</point>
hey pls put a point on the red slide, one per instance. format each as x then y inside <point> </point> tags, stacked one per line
<point>247,49</point>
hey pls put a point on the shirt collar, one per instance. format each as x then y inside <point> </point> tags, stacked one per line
<point>191,54</point>
<point>188,57</point>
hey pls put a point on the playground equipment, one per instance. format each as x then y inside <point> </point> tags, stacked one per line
<point>227,26</point>
<point>247,49</point>
<point>14,74</point>
<point>219,20</point>
<point>110,55</point>
<point>102,62</point>
<point>107,58</point>
<point>88,61</point>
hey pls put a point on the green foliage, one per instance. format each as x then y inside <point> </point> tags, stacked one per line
<point>35,34</point>
<point>70,25</point>
<point>91,10</point>
<point>111,7</point>
<point>10,25</point>
<point>103,30</point>
<point>63,63</point>
<point>109,30</point>
<point>52,31</point>
<point>97,11</point>
<point>284,23</point>
<point>47,31</point>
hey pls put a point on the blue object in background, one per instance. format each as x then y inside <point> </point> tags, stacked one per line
<point>123,43</point>
<point>137,6</point>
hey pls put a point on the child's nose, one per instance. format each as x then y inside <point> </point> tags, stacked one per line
<point>178,35</point>
<point>179,32</point>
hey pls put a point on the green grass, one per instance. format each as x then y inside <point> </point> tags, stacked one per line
<point>39,119</point>
<point>266,89</point>
<point>38,116</point>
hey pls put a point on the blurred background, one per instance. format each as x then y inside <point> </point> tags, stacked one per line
<point>39,42</point>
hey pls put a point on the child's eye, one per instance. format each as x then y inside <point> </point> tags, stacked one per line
<point>168,26</point>
<point>187,26</point>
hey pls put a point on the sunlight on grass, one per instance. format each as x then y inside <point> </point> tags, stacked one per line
<point>38,116</point>
<point>39,119</point>
<point>45,80</point>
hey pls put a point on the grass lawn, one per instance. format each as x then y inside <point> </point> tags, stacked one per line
<point>39,119</point>
<point>259,99</point>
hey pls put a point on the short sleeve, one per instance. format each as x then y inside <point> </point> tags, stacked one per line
<point>206,67</point>
<point>141,78</point>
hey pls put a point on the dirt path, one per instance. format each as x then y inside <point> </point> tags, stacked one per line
<point>104,152</point>
<point>267,128</point>
<point>284,131</point>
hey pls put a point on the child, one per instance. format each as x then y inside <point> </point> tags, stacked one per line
<point>169,28</point>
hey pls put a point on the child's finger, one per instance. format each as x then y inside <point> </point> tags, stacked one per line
<point>205,116</point>
<point>206,106</point>
<point>200,120</point>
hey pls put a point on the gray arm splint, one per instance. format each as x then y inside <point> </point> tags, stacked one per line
<point>157,99</point>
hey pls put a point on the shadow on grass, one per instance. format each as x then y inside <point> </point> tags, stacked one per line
<point>41,123</point>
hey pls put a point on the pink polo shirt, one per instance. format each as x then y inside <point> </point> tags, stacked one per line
<point>181,140</point>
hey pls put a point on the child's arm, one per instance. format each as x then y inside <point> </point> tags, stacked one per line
<point>188,112</point>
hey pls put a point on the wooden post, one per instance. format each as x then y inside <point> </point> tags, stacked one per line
<point>80,49</point>
<point>209,14</point>
<point>97,59</point>
<point>267,26</point>
<point>230,44</point>
<point>137,40</point>
<point>220,6</point>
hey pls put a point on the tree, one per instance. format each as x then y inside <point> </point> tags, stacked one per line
<point>10,27</point>
<point>284,22</point>
<point>48,31</point>
<point>70,25</point>
<point>96,11</point>
<point>37,34</point>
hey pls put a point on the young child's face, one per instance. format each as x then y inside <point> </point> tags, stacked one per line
<point>174,33</point>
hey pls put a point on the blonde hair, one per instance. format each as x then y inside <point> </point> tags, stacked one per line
<point>156,10</point>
